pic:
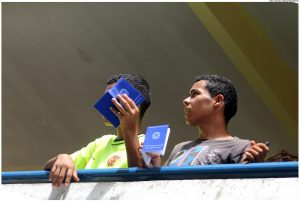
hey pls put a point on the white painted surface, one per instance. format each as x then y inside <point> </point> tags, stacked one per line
<point>268,188</point>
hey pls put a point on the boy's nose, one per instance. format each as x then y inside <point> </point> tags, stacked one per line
<point>186,101</point>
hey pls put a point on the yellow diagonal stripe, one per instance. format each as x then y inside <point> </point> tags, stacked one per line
<point>253,55</point>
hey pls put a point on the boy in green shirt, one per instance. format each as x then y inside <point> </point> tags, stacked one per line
<point>109,151</point>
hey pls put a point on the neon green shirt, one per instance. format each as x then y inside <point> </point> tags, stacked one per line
<point>104,152</point>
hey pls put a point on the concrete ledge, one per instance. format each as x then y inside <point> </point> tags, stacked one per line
<point>182,190</point>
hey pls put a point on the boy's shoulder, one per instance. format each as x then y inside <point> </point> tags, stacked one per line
<point>240,141</point>
<point>189,143</point>
<point>105,138</point>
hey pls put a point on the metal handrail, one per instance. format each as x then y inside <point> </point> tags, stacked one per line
<point>222,171</point>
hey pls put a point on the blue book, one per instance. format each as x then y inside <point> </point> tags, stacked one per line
<point>121,87</point>
<point>155,141</point>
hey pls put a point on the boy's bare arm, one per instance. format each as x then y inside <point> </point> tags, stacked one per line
<point>129,116</point>
<point>133,147</point>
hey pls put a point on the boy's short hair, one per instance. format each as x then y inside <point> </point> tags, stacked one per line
<point>221,85</point>
<point>282,156</point>
<point>137,82</point>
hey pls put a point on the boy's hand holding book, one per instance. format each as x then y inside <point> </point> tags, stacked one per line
<point>155,144</point>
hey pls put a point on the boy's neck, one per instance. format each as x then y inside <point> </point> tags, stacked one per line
<point>214,131</point>
<point>119,134</point>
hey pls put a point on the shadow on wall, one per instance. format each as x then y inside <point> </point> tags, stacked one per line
<point>59,193</point>
<point>98,192</point>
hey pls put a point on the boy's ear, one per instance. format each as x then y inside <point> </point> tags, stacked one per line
<point>219,100</point>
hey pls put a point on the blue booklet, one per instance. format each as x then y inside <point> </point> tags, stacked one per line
<point>155,141</point>
<point>121,87</point>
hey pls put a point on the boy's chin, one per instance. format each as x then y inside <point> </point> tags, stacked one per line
<point>107,123</point>
<point>189,123</point>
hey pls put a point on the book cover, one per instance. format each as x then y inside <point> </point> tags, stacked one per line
<point>155,141</point>
<point>121,87</point>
